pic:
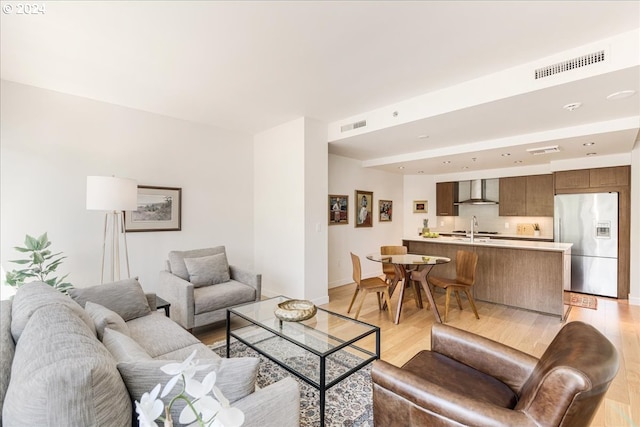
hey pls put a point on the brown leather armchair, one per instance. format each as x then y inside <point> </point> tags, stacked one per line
<point>469,380</point>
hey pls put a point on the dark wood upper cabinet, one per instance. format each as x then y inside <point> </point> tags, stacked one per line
<point>539,194</point>
<point>513,201</point>
<point>565,180</point>
<point>607,177</point>
<point>446,197</point>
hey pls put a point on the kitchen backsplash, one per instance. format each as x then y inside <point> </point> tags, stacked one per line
<point>488,220</point>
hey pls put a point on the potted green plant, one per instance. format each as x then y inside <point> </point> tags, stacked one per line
<point>40,264</point>
<point>536,229</point>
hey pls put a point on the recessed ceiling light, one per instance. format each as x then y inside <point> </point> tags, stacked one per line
<point>400,167</point>
<point>505,154</point>
<point>621,95</point>
<point>589,144</point>
<point>446,162</point>
<point>423,136</point>
<point>465,167</point>
<point>518,161</point>
<point>572,106</point>
<point>591,154</point>
<point>420,171</point>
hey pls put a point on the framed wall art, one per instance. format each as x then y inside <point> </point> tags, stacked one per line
<point>364,209</point>
<point>159,209</point>
<point>338,209</point>
<point>385,210</point>
<point>420,206</point>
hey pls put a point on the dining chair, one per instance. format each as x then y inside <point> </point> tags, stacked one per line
<point>390,271</point>
<point>466,264</point>
<point>372,284</point>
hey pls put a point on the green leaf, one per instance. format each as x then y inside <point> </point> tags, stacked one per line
<point>43,240</point>
<point>21,261</point>
<point>31,243</point>
<point>19,249</point>
<point>38,258</point>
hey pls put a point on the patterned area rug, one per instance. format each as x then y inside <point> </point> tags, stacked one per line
<point>581,300</point>
<point>348,403</point>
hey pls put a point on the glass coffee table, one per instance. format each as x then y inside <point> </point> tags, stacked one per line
<point>322,351</point>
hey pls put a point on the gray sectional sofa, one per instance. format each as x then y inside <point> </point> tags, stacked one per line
<point>81,361</point>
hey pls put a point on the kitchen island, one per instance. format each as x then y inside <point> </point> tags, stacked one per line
<point>521,274</point>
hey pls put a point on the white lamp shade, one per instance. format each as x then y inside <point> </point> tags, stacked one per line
<point>108,193</point>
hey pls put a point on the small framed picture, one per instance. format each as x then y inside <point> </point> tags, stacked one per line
<point>364,209</point>
<point>420,206</point>
<point>338,209</point>
<point>159,209</point>
<point>385,208</point>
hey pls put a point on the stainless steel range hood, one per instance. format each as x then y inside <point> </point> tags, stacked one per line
<point>478,194</point>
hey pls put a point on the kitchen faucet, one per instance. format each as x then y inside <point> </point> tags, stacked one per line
<point>474,223</point>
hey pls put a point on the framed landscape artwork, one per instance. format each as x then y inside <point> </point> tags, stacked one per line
<point>385,208</point>
<point>364,208</point>
<point>420,206</point>
<point>338,209</point>
<point>159,209</point>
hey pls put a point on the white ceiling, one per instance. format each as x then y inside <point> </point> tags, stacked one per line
<point>249,66</point>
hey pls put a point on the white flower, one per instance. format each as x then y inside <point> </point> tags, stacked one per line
<point>186,368</point>
<point>227,416</point>
<point>149,408</point>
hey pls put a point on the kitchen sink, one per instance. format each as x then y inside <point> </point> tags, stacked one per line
<point>468,239</point>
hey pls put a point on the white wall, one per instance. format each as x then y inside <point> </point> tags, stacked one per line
<point>290,189</point>
<point>50,143</point>
<point>346,176</point>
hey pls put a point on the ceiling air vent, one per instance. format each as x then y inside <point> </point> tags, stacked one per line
<point>352,126</point>
<point>571,64</point>
<point>543,150</point>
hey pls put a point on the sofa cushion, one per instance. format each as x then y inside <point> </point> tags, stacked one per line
<point>235,377</point>
<point>63,376</point>
<point>176,259</point>
<point>105,318</point>
<point>125,297</point>
<point>30,297</point>
<point>202,352</point>
<point>208,270</point>
<point>223,295</point>
<point>7,349</point>
<point>159,335</point>
<point>122,347</point>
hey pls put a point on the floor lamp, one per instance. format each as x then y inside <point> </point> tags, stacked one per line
<point>113,195</point>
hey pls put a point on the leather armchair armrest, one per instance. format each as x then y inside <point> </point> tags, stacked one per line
<point>248,278</point>
<point>398,392</point>
<point>179,293</point>
<point>507,364</point>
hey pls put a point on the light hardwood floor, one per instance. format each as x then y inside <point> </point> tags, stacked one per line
<point>524,330</point>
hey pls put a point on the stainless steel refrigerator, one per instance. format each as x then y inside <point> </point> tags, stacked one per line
<point>590,222</point>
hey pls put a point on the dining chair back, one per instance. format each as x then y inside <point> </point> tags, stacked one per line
<point>372,284</point>
<point>388,269</point>
<point>466,266</point>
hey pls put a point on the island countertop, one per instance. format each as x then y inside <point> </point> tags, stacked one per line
<point>499,243</point>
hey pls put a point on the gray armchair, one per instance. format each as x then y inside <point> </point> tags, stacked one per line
<point>200,285</point>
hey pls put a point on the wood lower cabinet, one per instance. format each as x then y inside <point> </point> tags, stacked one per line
<point>446,197</point>
<point>523,278</point>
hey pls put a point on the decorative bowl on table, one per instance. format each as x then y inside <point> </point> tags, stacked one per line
<point>295,310</point>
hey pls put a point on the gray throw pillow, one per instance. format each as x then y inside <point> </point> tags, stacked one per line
<point>105,318</point>
<point>235,377</point>
<point>32,296</point>
<point>176,259</point>
<point>123,347</point>
<point>208,270</point>
<point>125,297</point>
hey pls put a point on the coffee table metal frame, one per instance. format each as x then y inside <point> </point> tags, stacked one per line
<point>278,331</point>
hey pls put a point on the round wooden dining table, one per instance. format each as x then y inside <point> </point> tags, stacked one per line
<point>419,267</point>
